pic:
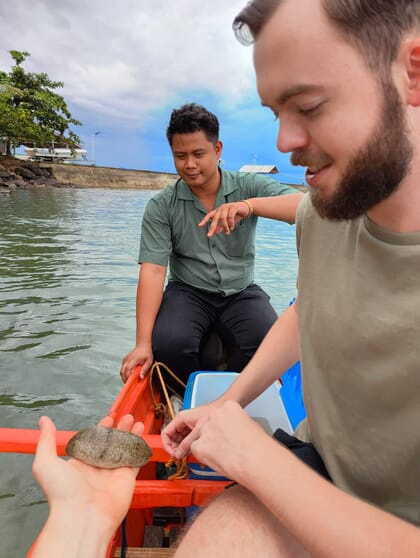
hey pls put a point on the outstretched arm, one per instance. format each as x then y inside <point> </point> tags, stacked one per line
<point>87,504</point>
<point>149,297</point>
<point>226,216</point>
<point>324,519</point>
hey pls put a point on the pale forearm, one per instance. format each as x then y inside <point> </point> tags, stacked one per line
<point>282,208</point>
<point>81,533</point>
<point>277,353</point>
<point>149,298</point>
<point>326,520</point>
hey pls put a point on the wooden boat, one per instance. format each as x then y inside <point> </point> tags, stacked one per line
<point>158,507</point>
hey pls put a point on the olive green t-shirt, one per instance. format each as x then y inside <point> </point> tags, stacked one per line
<point>221,264</point>
<point>359,322</point>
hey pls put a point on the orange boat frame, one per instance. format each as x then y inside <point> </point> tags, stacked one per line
<point>134,398</point>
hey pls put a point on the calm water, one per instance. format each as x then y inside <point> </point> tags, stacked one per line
<point>68,276</point>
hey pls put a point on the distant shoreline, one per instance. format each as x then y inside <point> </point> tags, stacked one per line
<point>20,174</point>
<point>83,176</point>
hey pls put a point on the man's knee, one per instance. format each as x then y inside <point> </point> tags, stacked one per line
<point>236,505</point>
<point>229,505</point>
<point>170,337</point>
<point>238,524</point>
<point>163,343</point>
<point>248,318</point>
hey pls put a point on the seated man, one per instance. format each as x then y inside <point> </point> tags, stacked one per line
<point>211,280</point>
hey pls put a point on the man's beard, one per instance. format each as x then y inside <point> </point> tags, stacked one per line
<point>377,169</point>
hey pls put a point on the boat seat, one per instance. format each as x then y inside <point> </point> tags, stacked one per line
<point>213,352</point>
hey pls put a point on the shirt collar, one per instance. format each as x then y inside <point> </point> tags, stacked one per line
<point>227,186</point>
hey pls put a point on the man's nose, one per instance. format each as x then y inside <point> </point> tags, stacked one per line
<point>191,162</point>
<point>291,136</point>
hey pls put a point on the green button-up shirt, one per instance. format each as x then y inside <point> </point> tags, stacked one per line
<point>170,234</point>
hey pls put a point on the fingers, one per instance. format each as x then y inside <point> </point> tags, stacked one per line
<point>173,435</point>
<point>107,421</point>
<point>145,368</point>
<point>170,443</point>
<point>184,447</point>
<point>46,443</point>
<point>205,219</point>
<point>126,370</point>
<point>137,357</point>
<point>46,447</point>
<point>128,365</point>
<point>218,224</point>
<point>224,219</point>
<point>177,438</point>
<point>126,423</point>
<point>138,428</point>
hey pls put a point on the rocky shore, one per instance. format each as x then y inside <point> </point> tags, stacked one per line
<point>18,174</point>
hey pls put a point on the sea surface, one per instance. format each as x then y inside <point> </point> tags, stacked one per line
<point>68,276</point>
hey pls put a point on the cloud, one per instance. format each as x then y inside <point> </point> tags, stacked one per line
<point>126,64</point>
<point>126,59</point>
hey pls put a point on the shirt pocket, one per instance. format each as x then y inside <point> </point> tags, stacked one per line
<point>239,243</point>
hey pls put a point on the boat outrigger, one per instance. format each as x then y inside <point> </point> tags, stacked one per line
<point>158,507</point>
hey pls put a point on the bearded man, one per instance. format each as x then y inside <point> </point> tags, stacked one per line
<point>343,78</point>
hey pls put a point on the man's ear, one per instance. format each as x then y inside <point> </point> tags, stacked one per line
<point>412,61</point>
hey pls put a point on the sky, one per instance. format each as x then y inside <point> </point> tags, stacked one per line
<point>126,64</point>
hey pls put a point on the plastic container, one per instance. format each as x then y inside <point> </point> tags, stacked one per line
<point>268,409</point>
<point>291,394</point>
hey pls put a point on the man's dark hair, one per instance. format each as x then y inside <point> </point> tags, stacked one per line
<point>374,27</point>
<point>192,118</point>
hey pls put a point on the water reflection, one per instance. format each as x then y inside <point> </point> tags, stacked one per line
<point>27,402</point>
<point>35,245</point>
<point>37,234</point>
<point>63,352</point>
<point>35,503</point>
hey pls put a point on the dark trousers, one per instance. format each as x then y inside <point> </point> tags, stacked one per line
<point>306,452</point>
<point>187,315</point>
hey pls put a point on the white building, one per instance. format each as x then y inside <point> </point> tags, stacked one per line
<point>261,169</point>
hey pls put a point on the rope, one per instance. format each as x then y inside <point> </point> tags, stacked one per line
<point>182,470</point>
<point>160,408</point>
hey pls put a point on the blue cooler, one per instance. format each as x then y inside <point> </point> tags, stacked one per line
<point>268,409</point>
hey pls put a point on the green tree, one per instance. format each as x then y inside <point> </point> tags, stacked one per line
<point>31,110</point>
